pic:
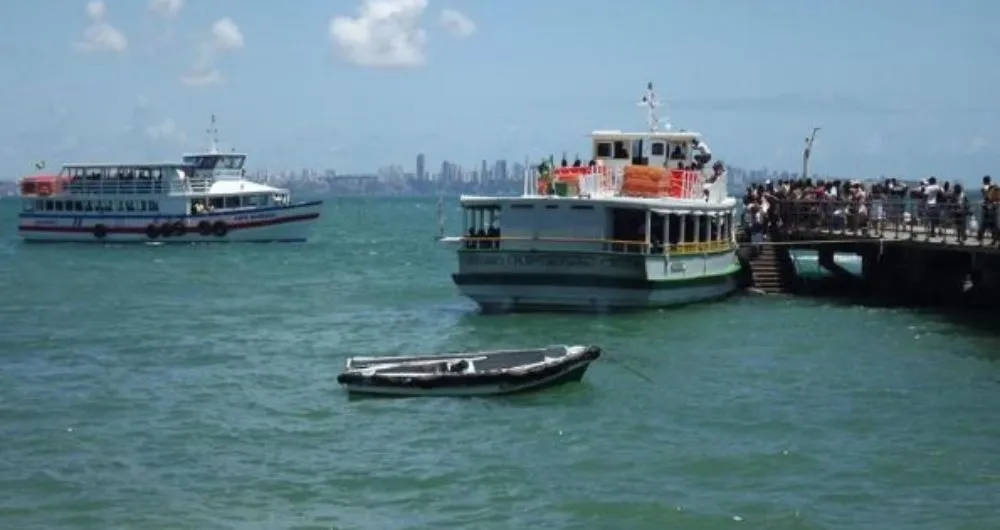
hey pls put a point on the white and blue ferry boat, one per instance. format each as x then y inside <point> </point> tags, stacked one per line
<point>204,198</point>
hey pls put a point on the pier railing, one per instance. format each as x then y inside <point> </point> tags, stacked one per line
<point>972,223</point>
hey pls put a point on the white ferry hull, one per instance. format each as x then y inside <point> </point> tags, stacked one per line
<point>528,296</point>
<point>291,223</point>
<point>601,284</point>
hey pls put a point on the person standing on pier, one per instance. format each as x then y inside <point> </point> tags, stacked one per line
<point>989,218</point>
<point>931,193</point>
<point>960,212</point>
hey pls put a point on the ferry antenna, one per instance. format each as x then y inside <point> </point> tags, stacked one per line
<point>213,135</point>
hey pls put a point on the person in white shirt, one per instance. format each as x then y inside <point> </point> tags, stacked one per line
<point>932,192</point>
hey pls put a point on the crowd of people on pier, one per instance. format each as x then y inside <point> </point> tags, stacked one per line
<point>936,209</point>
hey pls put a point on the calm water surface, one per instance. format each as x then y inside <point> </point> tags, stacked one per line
<point>194,387</point>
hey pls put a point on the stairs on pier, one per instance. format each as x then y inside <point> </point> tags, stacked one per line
<point>772,270</point>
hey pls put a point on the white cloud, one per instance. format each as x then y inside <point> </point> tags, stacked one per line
<point>385,34</point>
<point>976,145</point>
<point>456,24</point>
<point>99,36</point>
<point>225,37</point>
<point>166,8</point>
<point>166,130</point>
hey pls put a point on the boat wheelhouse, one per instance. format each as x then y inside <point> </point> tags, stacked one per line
<point>203,198</point>
<point>647,222</point>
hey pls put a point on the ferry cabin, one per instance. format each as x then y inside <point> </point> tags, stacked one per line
<point>594,245</point>
<point>206,195</point>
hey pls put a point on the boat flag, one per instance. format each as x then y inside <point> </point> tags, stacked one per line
<point>40,165</point>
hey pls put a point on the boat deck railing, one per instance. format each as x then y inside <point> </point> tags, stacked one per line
<point>614,246</point>
<point>607,182</point>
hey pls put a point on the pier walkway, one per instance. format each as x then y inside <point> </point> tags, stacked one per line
<point>910,252</point>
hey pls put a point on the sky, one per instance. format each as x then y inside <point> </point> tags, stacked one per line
<point>899,87</point>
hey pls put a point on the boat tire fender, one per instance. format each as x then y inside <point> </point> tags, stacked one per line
<point>100,231</point>
<point>152,232</point>
<point>220,228</point>
<point>205,228</point>
<point>166,230</point>
<point>180,228</point>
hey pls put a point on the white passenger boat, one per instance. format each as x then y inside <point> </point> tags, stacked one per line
<point>204,198</point>
<point>646,223</point>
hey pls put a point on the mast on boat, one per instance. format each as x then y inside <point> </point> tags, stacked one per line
<point>213,136</point>
<point>652,104</point>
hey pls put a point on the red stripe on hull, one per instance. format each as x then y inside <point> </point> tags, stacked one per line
<point>142,229</point>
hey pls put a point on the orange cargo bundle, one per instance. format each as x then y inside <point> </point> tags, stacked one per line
<point>656,181</point>
<point>646,181</point>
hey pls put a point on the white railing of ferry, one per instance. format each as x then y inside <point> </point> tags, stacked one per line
<point>718,190</point>
<point>200,183</point>
<point>83,186</point>
<point>602,182</point>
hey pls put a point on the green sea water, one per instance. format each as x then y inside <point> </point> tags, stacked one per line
<point>193,387</point>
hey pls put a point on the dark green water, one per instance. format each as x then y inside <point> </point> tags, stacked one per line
<point>193,387</point>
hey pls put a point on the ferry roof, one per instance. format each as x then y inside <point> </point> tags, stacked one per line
<point>215,154</point>
<point>661,135</point>
<point>651,203</point>
<point>171,164</point>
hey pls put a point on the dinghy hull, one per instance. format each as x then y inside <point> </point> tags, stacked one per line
<point>368,379</point>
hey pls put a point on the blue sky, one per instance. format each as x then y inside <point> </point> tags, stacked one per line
<point>899,86</point>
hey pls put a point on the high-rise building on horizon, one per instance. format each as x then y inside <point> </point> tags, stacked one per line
<point>420,167</point>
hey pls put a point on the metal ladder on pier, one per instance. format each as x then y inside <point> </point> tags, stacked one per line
<point>771,269</point>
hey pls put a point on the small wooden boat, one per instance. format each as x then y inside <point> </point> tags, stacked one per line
<point>467,374</point>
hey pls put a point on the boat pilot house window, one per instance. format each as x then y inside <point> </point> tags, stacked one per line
<point>215,161</point>
<point>482,227</point>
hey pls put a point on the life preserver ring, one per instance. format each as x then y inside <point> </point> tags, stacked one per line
<point>220,229</point>
<point>152,232</point>
<point>166,230</point>
<point>205,228</point>
<point>100,231</point>
<point>180,229</point>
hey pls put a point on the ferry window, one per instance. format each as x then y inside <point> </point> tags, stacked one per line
<point>88,206</point>
<point>215,202</point>
<point>78,206</point>
<point>39,205</point>
<point>262,200</point>
<point>156,174</point>
<point>232,202</point>
<point>153,206</point>
<point>250,200</point>
<point>231,162</point>
<point>603,150</point>
<point>657,149</point>
<point>129,206</point>
<point>208,162</point>
<point>620,152</point>
<point>59,206</point>
<point>142,206</point>
<point>49,206</point>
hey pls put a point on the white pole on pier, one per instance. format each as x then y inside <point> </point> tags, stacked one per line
<point>807,151</point>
